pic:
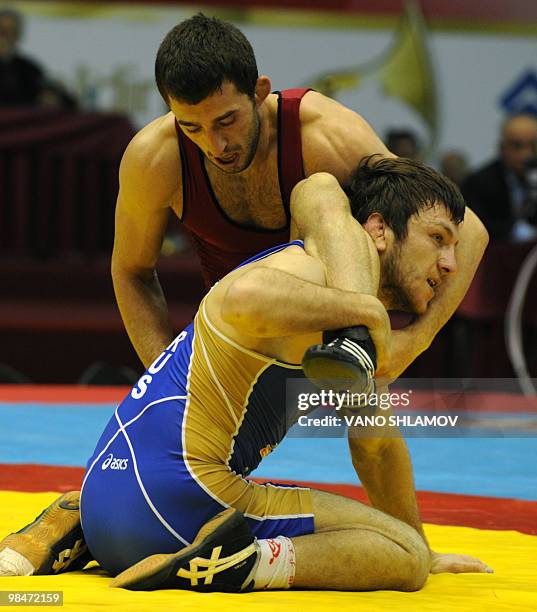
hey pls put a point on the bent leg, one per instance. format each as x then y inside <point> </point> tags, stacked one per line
<point>354,548</point>
<point>358,548</point>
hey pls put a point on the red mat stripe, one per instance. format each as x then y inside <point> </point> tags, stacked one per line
<point>436,508</point>
<point>60,394</point>
<point>420,400</point>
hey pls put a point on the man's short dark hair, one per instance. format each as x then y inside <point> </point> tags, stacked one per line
<point>398,188</point>
<point>198,55</point>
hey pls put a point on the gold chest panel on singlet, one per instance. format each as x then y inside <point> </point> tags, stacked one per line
<point>222,377</point>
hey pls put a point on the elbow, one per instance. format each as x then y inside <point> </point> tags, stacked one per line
<point>120,274</point>
<point>368,451</point>
<point>115,268</point>
<point>123,275</point>
<point>319,180</point>
<point>319,195</point>
<point>485,238</point>
<point>371,444</point>
<point>116,271</point>
<point>367,448</point>
<point>240,306</point>
<point>482,233</point>
<point>479,231</point>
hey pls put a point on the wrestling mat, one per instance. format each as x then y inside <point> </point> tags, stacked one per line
<point>478,495</point>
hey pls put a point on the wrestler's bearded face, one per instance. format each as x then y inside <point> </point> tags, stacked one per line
<point>414,267</point>
<point>225,126</point>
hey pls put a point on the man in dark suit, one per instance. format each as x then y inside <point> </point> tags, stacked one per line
<point>498,192</point>
<point>21,79</point>
<point>23,82</point>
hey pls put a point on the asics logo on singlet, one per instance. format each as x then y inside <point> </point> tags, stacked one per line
<point>139,389</point>
<point>114,463</point>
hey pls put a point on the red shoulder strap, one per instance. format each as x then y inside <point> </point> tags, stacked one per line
<point>195,188</point>
<point>290,164</point>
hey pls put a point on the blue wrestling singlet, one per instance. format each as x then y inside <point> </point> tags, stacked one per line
<point>178,448</point>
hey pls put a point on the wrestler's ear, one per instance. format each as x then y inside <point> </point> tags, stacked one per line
<point>262,89</point>
<point>376,227</point>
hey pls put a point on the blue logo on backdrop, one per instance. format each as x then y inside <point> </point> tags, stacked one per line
<point>521,96</point>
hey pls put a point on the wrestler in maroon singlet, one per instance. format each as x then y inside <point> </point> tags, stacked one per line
<point>221,243</point>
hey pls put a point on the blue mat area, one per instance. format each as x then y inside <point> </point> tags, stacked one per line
<point>66,434</point>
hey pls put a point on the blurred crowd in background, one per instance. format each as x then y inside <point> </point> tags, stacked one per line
<point>502,190</point>
<point>23,81</point>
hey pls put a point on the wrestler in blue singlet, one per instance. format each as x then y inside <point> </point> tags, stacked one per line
<point>178,448</point>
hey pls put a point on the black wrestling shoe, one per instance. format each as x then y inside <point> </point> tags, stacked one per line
<point>220,558</point>
<point>347,360</point>
<point>52,544</point>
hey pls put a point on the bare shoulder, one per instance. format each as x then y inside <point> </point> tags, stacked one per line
<point>296,261</point>
<point>292,260</point>
<point>335,138</point>
<point>151,168</point>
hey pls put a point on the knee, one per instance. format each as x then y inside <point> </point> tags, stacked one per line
<point>418,566</point>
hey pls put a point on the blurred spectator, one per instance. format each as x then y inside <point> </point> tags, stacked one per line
<point>454,165</point>
<point>403,143</point>
<point>500,191</point>
<point>23,81</point>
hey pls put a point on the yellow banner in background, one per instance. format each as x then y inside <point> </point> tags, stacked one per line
<point>277,17</point>
<point>104,54</point>
<point>405,72</point>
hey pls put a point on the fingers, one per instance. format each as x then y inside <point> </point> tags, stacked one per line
<point>471,564</point>
<point>464,567</point>
<point>459,564</point>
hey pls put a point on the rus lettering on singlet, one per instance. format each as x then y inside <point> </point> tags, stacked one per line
<point>146,379</point>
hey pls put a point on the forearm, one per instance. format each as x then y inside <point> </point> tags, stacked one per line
<point>266,302</point>
<point>144,312</point>
<point>387,478</point>
<point>407,344</point>
<point>322,218</point>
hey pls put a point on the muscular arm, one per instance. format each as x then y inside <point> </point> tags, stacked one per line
<point>383,465</point>
<point>335,140</point>
<point>272,303</point>
<point>331,234</point>
<point>148,180</point>
<point>279,305</point>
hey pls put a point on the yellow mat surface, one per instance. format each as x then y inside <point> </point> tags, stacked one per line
<point>513,586</point>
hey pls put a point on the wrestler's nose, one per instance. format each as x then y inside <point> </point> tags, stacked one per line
<point>447,261</point>
<point>216,143</point>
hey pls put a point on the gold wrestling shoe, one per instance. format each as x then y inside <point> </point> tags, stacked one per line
<point>52,544</point>
<point>221,558</point>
